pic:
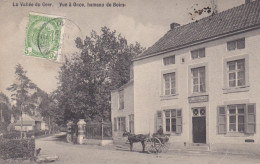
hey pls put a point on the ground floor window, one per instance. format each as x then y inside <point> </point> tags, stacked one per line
<point>170,120</point>
<point>119,124</point>
<point>237,118</point>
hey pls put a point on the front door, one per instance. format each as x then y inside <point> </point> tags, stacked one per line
<point>199,125</point>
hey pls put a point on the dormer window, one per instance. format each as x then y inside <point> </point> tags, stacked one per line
<point>169,60</point>
<point>197,54</point>
<point>236,44</point>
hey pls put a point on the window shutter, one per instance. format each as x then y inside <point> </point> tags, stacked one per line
<point>115,124</point>
<point>123,124</point>
<point>159,120</point>
<point>179,121</point>
<point>222,121</point>
<point>250,124</point>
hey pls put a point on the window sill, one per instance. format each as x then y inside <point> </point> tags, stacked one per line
<point>236,89</point>
<point>236,134</point>
<point>199,94</point>
<point>169,97</point>
<point>172,134</point>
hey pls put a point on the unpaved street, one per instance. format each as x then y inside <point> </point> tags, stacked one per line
<point>80,154</point>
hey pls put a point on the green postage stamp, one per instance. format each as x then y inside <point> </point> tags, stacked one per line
<point>44,36</point>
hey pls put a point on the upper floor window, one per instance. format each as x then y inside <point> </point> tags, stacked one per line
<point>121,99</point>
<point>236,44</point>
<point>169,83</point>
<point>199,53</point>
<point>198,79</point>
<point>169,60</point>
<point>236,73</point>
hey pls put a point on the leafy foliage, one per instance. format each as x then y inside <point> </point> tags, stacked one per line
<point>22,92</point>
<point>22,148</point>
<point>86,80</point>
<point>5,110</point>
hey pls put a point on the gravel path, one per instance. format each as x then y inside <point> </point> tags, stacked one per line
<point>89,154</point>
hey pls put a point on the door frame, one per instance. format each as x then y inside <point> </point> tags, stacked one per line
<point>206,120</point>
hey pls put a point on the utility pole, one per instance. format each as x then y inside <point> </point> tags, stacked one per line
<point>22,121</point>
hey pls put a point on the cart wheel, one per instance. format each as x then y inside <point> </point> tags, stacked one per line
<point>153,145</point>
<point>165,147</point>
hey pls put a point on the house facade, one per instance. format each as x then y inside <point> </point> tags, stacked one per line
<point>200,82</point>
<point>29,123</point>
<point>122,111</point>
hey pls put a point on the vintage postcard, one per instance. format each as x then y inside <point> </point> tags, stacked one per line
<point>130,81</point>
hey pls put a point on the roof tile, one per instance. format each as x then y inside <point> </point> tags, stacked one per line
<point>238,18</point>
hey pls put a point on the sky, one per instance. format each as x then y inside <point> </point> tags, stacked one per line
<point>143,21</point>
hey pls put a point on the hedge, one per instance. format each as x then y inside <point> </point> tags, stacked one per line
<point>17,148</point>
<point>29,134</point>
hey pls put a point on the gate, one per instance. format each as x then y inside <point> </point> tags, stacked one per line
<point>99,130</point>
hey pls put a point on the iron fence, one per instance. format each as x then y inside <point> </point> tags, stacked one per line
<point>98,130</point>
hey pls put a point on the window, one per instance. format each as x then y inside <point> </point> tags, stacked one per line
<point>199,53</point>
<point>236,73</point>
<point>237,118</point>
<point>119,124</point>
<point>173,121</point>
<point>121,99</point>
<point>198,80</point>
<point>169,60</point>
<point>169,83</point>
<point>236,44</point>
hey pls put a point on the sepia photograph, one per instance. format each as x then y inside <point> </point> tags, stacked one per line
<point>130,81</point>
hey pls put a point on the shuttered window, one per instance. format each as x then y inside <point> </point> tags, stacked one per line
<point>173,121</point>
<point>238,118</point>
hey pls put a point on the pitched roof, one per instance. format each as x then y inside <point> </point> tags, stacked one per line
<point>230,21</point>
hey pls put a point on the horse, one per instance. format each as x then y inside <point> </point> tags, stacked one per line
<point>132,138</point>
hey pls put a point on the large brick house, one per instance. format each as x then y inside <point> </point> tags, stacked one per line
<point>200,82</point>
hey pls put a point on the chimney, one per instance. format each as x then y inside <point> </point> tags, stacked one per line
<point>247,1</point>
<point>174,25</point>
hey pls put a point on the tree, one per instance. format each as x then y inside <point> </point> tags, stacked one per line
<point>22,91</point>
<point>5,111</point>
<point>85,81</point>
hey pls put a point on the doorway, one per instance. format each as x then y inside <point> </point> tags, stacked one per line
<point>199,125</point>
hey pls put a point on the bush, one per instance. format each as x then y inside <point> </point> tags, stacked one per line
<point>12,135</point>
<point>17,148</point>
<point>29,134</point>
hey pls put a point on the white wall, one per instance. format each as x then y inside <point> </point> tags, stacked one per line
<point>128,106</point>
<point>147,87</point>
